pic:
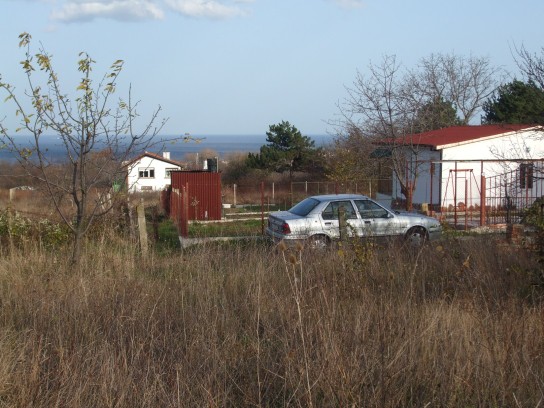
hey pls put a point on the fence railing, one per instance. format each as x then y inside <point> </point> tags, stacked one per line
<point>286,194</point>
<point>459,194</point>
<point>508,195</point>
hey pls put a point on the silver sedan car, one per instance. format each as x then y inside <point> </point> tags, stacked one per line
<point>321,219</point>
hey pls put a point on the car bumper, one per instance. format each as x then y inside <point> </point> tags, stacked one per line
<point>289,240</point>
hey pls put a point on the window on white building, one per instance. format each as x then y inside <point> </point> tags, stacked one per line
<point>146,172</point>
<point>168,172</point>
<point>526,175</point>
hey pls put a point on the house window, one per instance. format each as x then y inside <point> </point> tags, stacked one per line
<point>146,173</point>
<point>168,172</point>
<point>526,175</point>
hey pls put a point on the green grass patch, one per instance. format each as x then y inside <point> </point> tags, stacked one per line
<point>167,237</point>
<point>248,208</point>
<point>225,229</point>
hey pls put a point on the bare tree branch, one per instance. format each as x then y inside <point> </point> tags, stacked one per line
<point>390,103</point>
<point>97,134</point>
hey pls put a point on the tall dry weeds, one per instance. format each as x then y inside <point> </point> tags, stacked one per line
<point>223,325</point>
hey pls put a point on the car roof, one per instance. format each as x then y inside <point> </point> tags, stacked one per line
<point>329,197</point>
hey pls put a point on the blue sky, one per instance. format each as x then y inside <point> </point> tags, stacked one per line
<point>238,66</point>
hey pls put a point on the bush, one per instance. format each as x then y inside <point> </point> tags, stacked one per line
<point>17,230</point>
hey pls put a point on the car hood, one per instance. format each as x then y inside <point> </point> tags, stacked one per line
<point>412,216</point>
<point>409,214</point>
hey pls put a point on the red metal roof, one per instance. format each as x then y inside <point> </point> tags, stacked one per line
<point>441,138</point>
<point>153,156</point>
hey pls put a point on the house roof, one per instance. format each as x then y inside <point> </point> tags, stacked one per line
<point>153,156</point>
<point>456,135</point>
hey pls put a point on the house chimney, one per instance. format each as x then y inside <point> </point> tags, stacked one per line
<point>166,155</point>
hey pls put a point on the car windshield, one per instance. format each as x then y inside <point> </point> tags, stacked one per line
<point>304,207</point>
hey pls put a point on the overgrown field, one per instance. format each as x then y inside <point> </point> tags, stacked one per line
<point>459,323</point>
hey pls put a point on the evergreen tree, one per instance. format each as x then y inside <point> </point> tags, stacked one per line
<point>287,150</point>
<point>515,102</point>
<point>436,114</point>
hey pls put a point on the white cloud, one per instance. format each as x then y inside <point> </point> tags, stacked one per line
<point>208,8</point>
<point>123,10</point>
<point>68,11</point>
<point>350,4</point>
<point>136,10</point>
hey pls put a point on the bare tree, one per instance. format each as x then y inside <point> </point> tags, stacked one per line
<point>391,103</point>
<point>380,106</point>
<point>195,161</point>
<point>344,162</point>
<point>465,82</point>
<point>97,135</point>
<point>531,65</point>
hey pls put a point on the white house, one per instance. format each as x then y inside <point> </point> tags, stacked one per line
<point>150,172</point>
<point>510,155</point>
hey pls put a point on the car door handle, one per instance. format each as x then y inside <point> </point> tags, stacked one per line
<point>367,222</point>
<point>328,223</point>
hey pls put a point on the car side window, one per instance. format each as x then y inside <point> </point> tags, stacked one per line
<point>331,211</point>
<point>369,209</point>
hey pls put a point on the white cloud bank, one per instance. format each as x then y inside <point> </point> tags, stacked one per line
<point>123,10</point>
<point>207,8</point>
<point>68,11</point>
<point>350,4</point>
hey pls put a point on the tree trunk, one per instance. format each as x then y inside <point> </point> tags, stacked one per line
<point>76,247</point>
<point>408,192</point>
<point>78,232</point>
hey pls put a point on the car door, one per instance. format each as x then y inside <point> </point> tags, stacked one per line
<point>376,220</point>
<point>330,220</point>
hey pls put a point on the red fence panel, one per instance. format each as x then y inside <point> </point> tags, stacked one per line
<point>203,191</point>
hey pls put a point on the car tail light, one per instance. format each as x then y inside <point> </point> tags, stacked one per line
<point>285,228</point>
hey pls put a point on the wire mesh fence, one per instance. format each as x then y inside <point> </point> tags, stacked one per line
<point>286,194</point>
<point>463,193</point>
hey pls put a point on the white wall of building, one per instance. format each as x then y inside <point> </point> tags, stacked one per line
<point>460,181</point>
<point>424,190</point>
<point>149,174</point>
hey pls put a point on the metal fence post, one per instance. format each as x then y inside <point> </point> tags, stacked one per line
<point>342,223</point>
<point>482,200</point>
<point>291,193</point>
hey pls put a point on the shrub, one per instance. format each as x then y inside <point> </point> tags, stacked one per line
<point>17,230</point>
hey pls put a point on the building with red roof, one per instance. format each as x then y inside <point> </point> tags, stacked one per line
<point>446,138</point>
<point>150,172</point>
<point>446,166</point>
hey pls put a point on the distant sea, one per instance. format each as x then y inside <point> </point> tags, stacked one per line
<point>221,144</point>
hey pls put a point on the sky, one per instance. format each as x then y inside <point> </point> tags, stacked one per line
<point>235,67</point>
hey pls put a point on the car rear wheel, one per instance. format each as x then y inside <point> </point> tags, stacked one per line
<point>416,237</point>
<point>319,242</point>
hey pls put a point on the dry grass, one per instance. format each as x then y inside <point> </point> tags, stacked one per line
<point>461,324</point>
